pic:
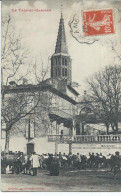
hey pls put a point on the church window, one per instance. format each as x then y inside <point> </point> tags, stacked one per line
<point>56,72</point>
<point>65,72</point>
<point>65,61</point>
<point>59,72</point>
<point>30,129</point>
<point>59,61</point>
<point>62,71</point>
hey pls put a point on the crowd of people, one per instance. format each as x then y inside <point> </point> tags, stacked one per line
<point>19,162</point>
<point>27,164</point>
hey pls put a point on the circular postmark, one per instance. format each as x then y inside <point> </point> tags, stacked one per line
<point>77,30</point>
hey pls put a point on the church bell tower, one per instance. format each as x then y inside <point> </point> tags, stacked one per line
<point>60,60</point>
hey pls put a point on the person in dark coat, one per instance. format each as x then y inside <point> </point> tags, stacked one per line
<point>54,167</point>
<point>61,136</point>
<point>116,163</point>
<point>18,165</point>
<point>50,158</point>
<point>92,160</point>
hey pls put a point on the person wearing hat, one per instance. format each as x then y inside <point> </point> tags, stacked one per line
<point>54,166</point>
<point>34,163</point>
<point>116,162</point>
<point>49,160</point>
<point>61,136</point>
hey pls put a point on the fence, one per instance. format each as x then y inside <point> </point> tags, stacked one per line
<point>85,138</point>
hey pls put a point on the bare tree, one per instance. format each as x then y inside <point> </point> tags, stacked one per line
<point>17,102</point>
<point>14,54</point>
<point>105,96</point>
<point>22,103</point>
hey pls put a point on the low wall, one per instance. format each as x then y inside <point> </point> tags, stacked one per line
<point>41,145</point>
<point>104,148</point>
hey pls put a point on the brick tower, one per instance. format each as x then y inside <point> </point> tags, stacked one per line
<point>60,60</point>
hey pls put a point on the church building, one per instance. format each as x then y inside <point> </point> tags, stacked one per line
<point>59,100</point>
<point>55,125</point>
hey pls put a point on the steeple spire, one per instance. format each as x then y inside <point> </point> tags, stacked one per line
<point>61,60</point>
<point>61,46</point>
<point>61,7</point>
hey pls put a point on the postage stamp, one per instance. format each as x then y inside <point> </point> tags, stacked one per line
<point>98,22</point>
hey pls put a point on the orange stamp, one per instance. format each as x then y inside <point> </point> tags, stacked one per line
<point>98,22</point>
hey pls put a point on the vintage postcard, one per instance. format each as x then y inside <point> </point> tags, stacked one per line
<point>61,96</point>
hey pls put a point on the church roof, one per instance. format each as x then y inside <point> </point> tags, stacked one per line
<point>43,86</point>
<point>72,90</point>
<point>61,46</point>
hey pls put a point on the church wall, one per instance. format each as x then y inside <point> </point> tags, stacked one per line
<point>2,144</point>
<point>17,144</point>
<point>41,145</point>
<point>63,104</point>
<point>19,137</point>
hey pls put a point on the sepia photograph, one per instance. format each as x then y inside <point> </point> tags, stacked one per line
<point>61,96</point>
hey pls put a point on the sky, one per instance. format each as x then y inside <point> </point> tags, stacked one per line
<point>39,31</point>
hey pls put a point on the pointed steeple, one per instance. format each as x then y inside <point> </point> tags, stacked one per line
<point>61,60</point>
<point>61,46</point>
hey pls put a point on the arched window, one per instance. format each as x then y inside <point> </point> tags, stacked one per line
<point>65,72</point>
<point>59,72</point>
<point>62,61</point>
<point>65,61</point>
<point>62,71</point>
<point>59,61</point>
<point>56,72</point>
